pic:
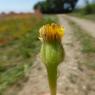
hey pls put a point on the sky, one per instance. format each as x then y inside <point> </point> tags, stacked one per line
<point>17,5</point>
<point>22,5</point>
<point>81,3</point>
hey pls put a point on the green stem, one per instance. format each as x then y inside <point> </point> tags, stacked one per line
<point>52,78</point>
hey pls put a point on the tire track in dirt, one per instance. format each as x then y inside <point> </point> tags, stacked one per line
<point>86,25</point>
<point>37,83</point>
<point>74,79</point>
<point>70,76</point>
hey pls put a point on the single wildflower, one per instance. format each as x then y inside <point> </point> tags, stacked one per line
<point>52,52</point>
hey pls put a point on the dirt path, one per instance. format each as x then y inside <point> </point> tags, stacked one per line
<point>72,80</point>
<point>87,25</point>
<point>75,80</point>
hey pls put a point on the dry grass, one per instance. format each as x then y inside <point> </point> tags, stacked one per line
<point>19,45</point>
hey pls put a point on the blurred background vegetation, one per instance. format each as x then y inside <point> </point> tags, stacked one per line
<point>87,11</point>
<point>19,45</point>
<point>65,6</point>
<point>56,6</point>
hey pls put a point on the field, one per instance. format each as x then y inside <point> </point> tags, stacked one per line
<point>19,45</point>
<point>21,71</point>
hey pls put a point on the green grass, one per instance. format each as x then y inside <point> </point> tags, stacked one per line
<point>89,65</point>
<point>17,55</point>
<point>87,43</point>
<point>87,12</point>
<point>89,16</point>
<point>86,40</point>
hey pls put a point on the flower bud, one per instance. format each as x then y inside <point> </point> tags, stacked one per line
<point>52,52</point>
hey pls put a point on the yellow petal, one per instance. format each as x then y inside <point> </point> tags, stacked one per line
<point>51,32</point>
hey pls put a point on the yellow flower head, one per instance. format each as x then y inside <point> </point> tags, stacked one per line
<point>50,32</point>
